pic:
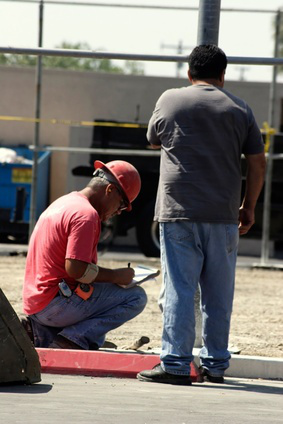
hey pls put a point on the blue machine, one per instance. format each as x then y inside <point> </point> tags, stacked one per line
<point>15,192</point>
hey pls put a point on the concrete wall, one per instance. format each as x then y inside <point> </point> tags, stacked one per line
<point>84,96</point>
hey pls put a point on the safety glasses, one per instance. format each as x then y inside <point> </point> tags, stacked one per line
<point>124,202</point>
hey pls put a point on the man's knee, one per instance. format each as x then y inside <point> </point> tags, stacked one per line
<point>141,297</point>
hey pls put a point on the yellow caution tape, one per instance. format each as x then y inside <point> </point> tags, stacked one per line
<point>71,122</point>
<point>266,128</point>
<point>268,131</point>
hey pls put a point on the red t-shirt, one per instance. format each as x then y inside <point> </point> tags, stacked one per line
<point>68,228</point>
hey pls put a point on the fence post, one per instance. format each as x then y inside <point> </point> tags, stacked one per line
<point>208,30</point>
<point>208,22</point>
<point>269,168</point>
<point>33,198</point>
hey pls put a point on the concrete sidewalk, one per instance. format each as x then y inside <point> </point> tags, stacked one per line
<point>79,399</point>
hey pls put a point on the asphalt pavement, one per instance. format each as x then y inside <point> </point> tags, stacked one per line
<point>70,398</point>
<point>79,399</point>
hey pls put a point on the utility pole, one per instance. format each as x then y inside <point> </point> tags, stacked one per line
<point>242,70</point>
<point>179,48</point>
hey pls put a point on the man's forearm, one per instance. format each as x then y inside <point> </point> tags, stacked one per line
<point>254,180</point>
<point>254,183</point>
<point>115,276</point>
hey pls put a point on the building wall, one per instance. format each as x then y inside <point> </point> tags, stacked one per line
<point>85,96</point>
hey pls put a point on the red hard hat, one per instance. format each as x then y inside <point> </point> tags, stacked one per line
<point>126,176</point>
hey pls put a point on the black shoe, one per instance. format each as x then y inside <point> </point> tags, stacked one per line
<point>157,375</point>
<point>61,342</point>
<point>93,346</point>
<point>211,378</point>
<point>109,345</point>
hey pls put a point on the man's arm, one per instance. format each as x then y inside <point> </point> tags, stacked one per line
<point>155,146</point>
<point>151,134</point>
<point>256,165</point>
<point>76,270</point>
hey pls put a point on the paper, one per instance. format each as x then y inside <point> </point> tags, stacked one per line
<point>142,274</point>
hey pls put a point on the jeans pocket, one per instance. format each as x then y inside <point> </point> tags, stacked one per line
<point>232,237</point>
<point>53,309</point>
<point>178,231</point>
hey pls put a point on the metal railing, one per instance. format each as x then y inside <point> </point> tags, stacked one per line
<point>137,6</point>
<point>91,54</point>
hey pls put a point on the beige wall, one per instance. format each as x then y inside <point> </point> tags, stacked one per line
<point>78,96</point>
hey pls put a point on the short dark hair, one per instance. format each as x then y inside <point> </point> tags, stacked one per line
<point>207,61</point>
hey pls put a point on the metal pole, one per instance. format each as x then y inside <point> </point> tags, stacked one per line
<point>269,168</point>
<point>208,29</point>
<point>234,60</point>
<point>208,22</point>
<point>33,198</point>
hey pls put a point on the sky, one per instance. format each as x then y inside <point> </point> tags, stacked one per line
<point>146,31</point>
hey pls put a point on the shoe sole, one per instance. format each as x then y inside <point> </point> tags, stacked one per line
<point>206,377</point>
<point>213,380</point>
<point>175,383</point>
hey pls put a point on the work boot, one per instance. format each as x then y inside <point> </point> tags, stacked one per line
<point>61,342</point>
<point>26,323</point>
<point>211,378</point>
<point>157,375</point>
<point>109,345</point>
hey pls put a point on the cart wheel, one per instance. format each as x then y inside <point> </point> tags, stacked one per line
<point>147,231</point>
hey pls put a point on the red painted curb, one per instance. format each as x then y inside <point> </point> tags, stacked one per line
<point>99,364</point>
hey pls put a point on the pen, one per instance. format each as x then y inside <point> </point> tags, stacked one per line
<point>129,264</point>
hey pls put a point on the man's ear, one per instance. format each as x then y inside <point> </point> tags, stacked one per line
<point>109,188</point>
<point>222,77</point>
<point>189,75</point>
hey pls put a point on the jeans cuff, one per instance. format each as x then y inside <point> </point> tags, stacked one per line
<point>174,372</point>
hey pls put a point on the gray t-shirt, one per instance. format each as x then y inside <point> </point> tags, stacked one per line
<point>202,130</point>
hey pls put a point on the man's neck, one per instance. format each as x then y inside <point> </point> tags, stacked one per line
<point>208,81</point>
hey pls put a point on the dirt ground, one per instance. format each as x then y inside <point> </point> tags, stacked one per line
<point>257,324</point>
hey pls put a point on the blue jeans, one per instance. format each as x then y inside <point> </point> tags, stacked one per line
<point>86,322</point>
<point>191,254</point>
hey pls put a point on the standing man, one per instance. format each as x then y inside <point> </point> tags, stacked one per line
<point>202,130</point>
<point>71,302</point>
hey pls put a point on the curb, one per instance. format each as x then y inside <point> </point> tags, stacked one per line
<point>256,367</point>
<point>121,364</point>
<point>244,366</point>
<point>100,364</point>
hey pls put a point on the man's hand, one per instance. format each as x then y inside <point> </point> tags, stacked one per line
<point>246,220</point>
<point>124,276</point>
<point>121,276</point>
